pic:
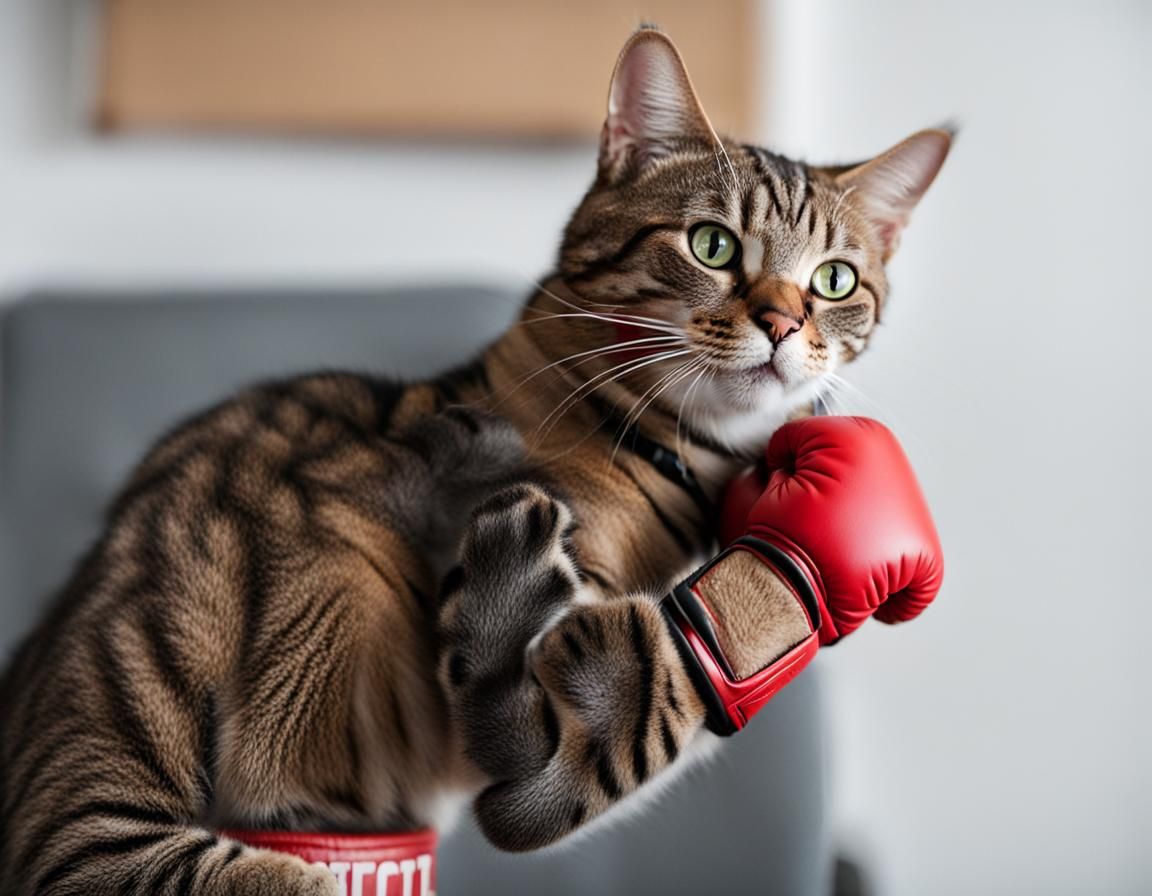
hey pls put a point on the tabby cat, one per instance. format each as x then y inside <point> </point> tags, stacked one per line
<point>338,602</point>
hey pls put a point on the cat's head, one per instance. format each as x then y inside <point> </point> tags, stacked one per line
<point>764,273</point>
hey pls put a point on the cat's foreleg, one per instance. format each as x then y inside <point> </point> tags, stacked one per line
<point>568,705</point>
<point>517,574</point>
<point>626,711</point>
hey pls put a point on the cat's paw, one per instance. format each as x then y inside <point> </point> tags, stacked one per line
<point>624,710</point>
<point>523,529</point>
<point>517,571</point>
<point>517,575</point>
<point>264,873</point>
<point>608,668</point>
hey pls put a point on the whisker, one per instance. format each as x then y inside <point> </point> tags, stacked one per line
<point>583,389</point>
<point>589,355</point>
<point>732,171</point>
<point>624,317</point>
<point>680,414</point>
<point>847,389</point>
<point>633,416</point>
<point>601,317</point>
<point>628,417</point>
<point>625,314</point>
<point>584,438</point>
<point>666,382</point>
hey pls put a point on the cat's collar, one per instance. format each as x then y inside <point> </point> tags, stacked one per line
<point>667,462</point>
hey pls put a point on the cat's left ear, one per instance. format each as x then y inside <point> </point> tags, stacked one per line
<point>651,107</point>
<point>889,186</point>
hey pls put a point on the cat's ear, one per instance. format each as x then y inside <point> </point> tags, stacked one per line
<point>888,187</point>
<point>651,106</point>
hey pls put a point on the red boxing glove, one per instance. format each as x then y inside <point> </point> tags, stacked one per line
<point>836,512</point>
<point>839,497</point>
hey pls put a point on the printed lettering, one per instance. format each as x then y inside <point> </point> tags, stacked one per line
<point>353,878</point>
<point>361,870</point>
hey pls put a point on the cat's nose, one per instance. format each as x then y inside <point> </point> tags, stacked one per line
<point>776,304</point>
<point>778,325</point>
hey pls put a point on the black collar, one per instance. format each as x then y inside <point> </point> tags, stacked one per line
<point>666,462</point>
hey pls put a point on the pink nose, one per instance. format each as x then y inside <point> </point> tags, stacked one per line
<point>778,326</point>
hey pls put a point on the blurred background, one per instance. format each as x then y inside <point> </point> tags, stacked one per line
<point>1001,743</point>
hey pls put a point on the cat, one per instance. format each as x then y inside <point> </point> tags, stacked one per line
<point>338,602</point>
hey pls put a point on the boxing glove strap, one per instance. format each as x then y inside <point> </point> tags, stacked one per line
<point>401,864</point>
<point>730,701</point>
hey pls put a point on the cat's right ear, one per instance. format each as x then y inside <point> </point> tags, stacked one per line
<point>888,187</point>
<point>651,107</point>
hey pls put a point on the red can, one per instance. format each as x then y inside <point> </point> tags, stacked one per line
<point>363,864</point>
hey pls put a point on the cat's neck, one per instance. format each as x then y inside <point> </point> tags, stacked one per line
<point>555,375</point>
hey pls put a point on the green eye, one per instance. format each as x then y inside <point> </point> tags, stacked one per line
<point>712,245</point>
<point>834,280</point>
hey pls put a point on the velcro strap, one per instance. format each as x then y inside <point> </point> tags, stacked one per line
<point>730,702</point>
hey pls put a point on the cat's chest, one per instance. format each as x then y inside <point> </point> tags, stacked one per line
<point>637,537</point>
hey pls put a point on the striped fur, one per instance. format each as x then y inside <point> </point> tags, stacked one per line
<point>338,602</point>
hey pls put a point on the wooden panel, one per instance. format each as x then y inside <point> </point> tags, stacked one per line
<point>508,68</point>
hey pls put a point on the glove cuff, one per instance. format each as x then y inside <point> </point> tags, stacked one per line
<point>802,574</point>
<point>730,701</point>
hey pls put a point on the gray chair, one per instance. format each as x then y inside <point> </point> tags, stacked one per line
<point>89,380</point>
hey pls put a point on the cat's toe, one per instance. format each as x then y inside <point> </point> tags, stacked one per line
<point>264,873</point>
<point>521,526</point>
<point>517,572</point>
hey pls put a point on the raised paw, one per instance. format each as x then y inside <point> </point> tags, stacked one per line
<point>517,570</point>
<point>624,708</point>
<point>617,682</point>
<point>517,574</point>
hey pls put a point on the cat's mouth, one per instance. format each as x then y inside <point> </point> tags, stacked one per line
<point>767,371</point>
<point>761,373</point>
<point>769,377</point>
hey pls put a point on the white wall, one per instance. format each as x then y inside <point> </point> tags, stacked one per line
<point>118,211</point>
<point>1001,744</point>
<point>997,745</point>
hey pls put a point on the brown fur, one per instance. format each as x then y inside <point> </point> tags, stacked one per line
<point>337,602</point>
